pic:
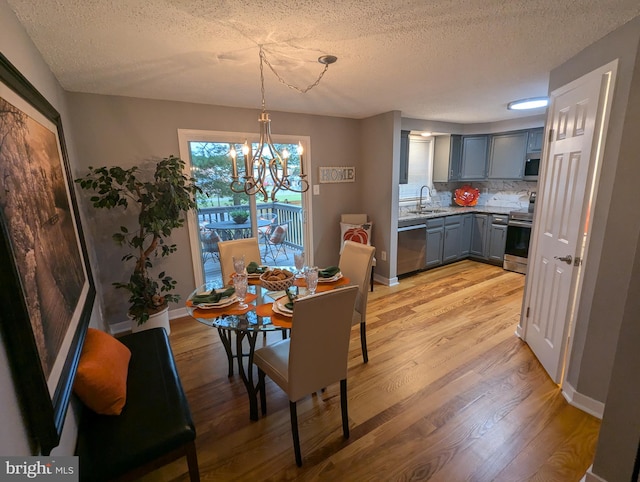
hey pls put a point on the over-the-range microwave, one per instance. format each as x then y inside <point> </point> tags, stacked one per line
<point>532,166</point>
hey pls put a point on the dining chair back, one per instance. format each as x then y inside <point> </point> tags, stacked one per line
<point>314,356</point>
<point>355,264</point>
<point>248,247</point>
<point>363,236</point>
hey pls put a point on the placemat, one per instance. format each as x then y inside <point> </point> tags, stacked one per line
<point>225,310</point>
<point>276,318</point>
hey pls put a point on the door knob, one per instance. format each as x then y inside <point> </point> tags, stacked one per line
<point>567,259</point>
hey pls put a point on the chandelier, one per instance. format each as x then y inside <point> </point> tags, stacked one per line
<point>266,158</point>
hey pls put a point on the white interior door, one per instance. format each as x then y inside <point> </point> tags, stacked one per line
<point>577,119</point>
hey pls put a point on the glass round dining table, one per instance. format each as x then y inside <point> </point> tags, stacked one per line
<point>261,316</point>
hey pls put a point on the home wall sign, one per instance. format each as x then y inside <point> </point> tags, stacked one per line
<point>336,174</point>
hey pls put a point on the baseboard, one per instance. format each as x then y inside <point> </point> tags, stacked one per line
<point>385,281</point>
<point>584,403</point>
<point>591,477</point>
<point>125,326</point>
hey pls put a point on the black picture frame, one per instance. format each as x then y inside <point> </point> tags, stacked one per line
<point>47,290</point>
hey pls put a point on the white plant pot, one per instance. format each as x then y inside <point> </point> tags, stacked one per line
<point>160,319</point>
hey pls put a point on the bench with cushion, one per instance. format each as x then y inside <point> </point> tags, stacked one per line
<point>154,426</point>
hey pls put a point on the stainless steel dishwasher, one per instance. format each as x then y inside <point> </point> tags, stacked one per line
<point>412,246</point>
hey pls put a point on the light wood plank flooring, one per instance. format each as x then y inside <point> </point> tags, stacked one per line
<point>449,394</point>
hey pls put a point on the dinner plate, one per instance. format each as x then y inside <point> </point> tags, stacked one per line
<point>229,300</point>
<point>277,310</point>
<point>280,304</point>
<point>330,280</point>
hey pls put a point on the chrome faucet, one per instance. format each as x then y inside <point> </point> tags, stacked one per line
<point>421,190</point>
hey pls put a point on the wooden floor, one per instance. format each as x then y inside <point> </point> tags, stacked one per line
<point>449,394</point>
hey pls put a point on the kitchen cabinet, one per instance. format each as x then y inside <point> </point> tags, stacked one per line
<point>535,139</point>
<point>497,238</point>
<point>443,240</point>
<point>446,158</point>
<point>452,234</point>
<point>473,163</point>
<point>435,242</point>
<point>466,228</point>
<point>507,155</point>
<point>404,157</point>
<point>478,248</point>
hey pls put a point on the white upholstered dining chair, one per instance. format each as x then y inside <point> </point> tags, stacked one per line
<point>358,228</point>
<point>313,357</point>
<point>248,247</point>
<point>355,264</point>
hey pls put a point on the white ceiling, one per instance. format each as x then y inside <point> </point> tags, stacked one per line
<point>446,60</point>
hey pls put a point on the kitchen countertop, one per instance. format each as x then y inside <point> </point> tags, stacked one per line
<point>452,210</point>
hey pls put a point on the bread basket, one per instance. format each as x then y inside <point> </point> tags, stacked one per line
<point>280,284</point>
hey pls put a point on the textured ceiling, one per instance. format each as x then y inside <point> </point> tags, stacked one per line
<point>447,60</point>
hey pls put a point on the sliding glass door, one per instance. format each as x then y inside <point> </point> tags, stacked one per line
<point>279,225</point>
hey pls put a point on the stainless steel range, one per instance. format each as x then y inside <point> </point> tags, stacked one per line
<point>516,252</point>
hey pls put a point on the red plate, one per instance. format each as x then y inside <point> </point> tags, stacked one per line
<point>467,196</point>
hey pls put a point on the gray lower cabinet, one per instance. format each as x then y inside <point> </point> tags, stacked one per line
<point>452,234</point>
<point>466,228</point>
<point>479,248</point>
<point>497,240</point>
<point>435,242</point>
<point>460,236</point>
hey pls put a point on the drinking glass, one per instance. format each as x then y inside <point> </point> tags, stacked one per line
<point>240,282</point>
<point>298,259</point>
<point>238,264</point>
<point>311,279</point>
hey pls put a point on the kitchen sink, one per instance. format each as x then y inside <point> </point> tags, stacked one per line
<point>428,211</point>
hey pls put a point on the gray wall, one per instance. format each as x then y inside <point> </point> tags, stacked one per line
<point>126,131</point>
<point>605,357</point>
<point>18,48</point>
<point>380,145</point>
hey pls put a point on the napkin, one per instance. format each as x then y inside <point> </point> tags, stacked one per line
<point>255,268</point>
<point>212,297</point>
<point>328,272</point>
<point>292,298</point>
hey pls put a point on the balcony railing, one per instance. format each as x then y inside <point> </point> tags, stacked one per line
<point>289,214</point>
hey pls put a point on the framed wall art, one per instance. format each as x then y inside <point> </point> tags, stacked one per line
<point>47,290</point>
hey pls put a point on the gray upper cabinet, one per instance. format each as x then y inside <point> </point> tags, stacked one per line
<point>536,139</point>
<point>446,158</point>
<point>507,155</point>
<point>473,165</point>
<point>404,157</point>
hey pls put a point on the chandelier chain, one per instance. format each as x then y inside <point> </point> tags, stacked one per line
<point>263,57</point>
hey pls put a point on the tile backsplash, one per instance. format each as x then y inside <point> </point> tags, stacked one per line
<point>505,194</point>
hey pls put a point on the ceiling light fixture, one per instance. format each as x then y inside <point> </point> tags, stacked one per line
<point>266,155</point>
<point>525,104</point>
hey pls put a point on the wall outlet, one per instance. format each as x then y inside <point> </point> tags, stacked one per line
<point>316,189</point>
<point>383,255</point>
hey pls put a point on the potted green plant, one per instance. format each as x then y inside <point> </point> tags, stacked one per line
<point>160,201</point>
<point>239,216</point>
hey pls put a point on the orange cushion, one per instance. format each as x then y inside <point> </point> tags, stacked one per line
<point>101,379</point>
